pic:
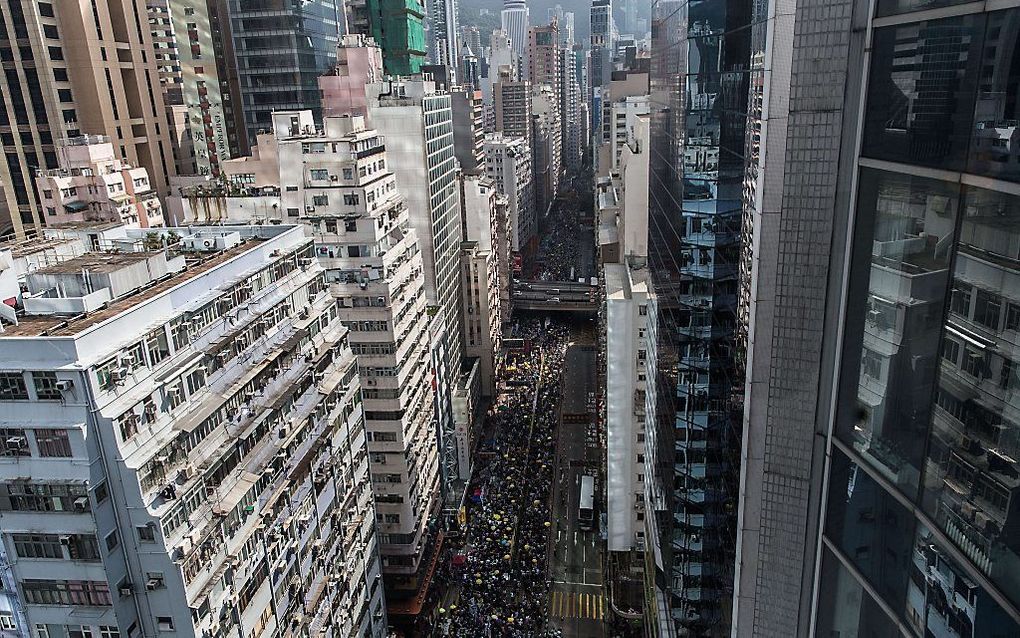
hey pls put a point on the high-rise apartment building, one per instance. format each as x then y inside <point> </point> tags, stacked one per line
<point>186,51</point>
<point>468,128</point>
<point>695,191</point>
<point>546,146</point>
<point>186,445</point>
<point>336,179</point>
<point>281,49</point>
<point>359,62</point>
<point>545,70</point>
<point>622,200</point>
<point>72,69</point>
<point>514,22</point>
<point>880,445</point>
<point>485,259</point>
<point>418,120</point>
<point>512,105</point>
<point>508,164</point>
<point>93,185</point>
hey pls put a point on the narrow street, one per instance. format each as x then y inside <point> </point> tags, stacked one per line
<point>577,602</point>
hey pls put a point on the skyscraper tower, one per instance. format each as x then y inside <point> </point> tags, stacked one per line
<point>297,43</point>
<point>883,311</point>
<point>444,35</point>
<point>515,25</point>
<point>697,169</point>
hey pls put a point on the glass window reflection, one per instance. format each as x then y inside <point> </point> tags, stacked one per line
<point>845,609</point>
<point>921,91</point>
<point>972,470</point>
<point>995,146</point>
<point>943,601</point>
<point>870,527</point>
<point>892,342</point>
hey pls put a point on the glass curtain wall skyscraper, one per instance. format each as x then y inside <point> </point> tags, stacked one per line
<point>699,96</point>
<point>281,50</point>
<point>921,525</point>
<point>881,439</point>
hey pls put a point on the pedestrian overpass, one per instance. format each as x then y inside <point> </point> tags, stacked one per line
<point>555,296</point>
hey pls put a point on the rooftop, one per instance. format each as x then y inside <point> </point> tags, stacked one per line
<point>48,325</point>
<point>32,246</point>
<point>94,262</point>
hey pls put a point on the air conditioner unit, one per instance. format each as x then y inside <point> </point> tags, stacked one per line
<point>65,540</point>
<point>309,209</point>
<point>154,583</point>
<point>127,359</point>
<point>16,442</point>
<point>119,375</point>
<point>126,589</point>
<point>81,504</point>
<point>64,385</point>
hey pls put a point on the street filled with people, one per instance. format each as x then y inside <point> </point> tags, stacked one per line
<point>560,247</point>
<point>499,578</point>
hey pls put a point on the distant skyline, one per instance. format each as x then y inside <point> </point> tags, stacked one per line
<point>539,9</point>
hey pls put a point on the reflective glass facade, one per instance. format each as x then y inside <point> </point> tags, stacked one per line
<point>699,86</point>
<point>921,531</point>
<point>282,47</point>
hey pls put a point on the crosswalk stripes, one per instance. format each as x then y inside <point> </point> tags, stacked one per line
<point>577,605</point>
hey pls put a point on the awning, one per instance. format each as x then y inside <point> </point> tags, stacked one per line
<point>75,207</point>
<point>236,493</point>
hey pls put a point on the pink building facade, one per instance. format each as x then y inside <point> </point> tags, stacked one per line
<point>94,185</point>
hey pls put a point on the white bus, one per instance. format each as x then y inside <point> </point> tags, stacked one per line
<point>586,503</point>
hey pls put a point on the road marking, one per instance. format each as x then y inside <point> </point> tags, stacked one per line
<point>577,605</point>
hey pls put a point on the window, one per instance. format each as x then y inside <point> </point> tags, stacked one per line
<point>319,174</point>
<point>14,442</point>
<point>46,386</point>
<point>1008,377</point>
<point>46,9</point>
<point>351,226</point>
<point>1013,317</point>
<point>320,200</point>
<point>56,53</point>
<point>7,622</point>
<point>348,173</point>
<point>53,443</point>
<point>951,351</point>
<point>50,31</point>
<point>102,492</point>
<point>960,302</point>
<point>987,309</point>
<point>391,519</point>
<point>112,541</point>
<point>975,363</point>
<point>66,592</point>
<point>110,631</point>
<point>871,364</point>
<point>164,623</point>
<point>146,533</point>
<point>12,387</point>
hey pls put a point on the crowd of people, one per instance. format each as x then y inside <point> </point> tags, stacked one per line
<point>557,258</point>
<point>501,572</point>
